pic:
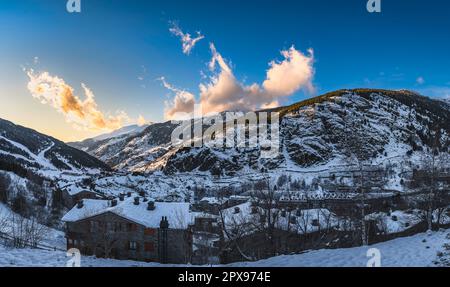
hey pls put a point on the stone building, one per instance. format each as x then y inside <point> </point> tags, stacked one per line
<point>131,229</point>
<point>73,193</point>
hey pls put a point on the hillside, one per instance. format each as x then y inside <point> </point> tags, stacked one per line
<point>23,150</point>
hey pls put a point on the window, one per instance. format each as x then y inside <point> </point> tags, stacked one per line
<point>149,247</point>
<point>132,245</point>
<point>94,226</point>
<point>117,226</point>
<point>132,227</point>
<point>149,231</point>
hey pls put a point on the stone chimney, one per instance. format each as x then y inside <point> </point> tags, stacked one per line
<point>80,204</point>
<point>237,210</point>
<point>113,202</point>
<point>128,194</point>
<point>121,197</point>
<point>164,224</point>
<point>151,205</point>
<point>136,200</point>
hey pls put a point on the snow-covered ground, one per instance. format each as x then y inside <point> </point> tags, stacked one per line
<point>42,258</point>
<point>52,239</point>
<point>416,251</point>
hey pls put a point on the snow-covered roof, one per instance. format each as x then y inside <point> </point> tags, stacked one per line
<point>210,200</point>
<point>203,215</point>
<point>74,189</point>
<point>177,214</point>
<point>397,221</point>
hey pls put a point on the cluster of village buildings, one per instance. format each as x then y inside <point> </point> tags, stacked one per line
<point>136,227</point>
<point>133,226</point>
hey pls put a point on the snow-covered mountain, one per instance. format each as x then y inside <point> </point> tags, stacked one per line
<point>314,134</point>
<point>134,151</point>
<point>24,150</point>
<point>447,100</point>
<point>120,133</point>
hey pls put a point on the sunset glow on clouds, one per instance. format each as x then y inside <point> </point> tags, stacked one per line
<point>223,92</point>
<point>82,114</point>
<point>187,41</point>
<point>183,102</point>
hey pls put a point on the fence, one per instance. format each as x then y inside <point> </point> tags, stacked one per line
<point>8,238</point>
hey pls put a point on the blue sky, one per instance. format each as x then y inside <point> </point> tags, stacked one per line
<point>113,43</point>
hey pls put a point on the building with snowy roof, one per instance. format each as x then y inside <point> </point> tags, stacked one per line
<point>131,228</point>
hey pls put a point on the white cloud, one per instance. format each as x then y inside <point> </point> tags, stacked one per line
<point>186,39</point>
<point>420,80</point>
<point>182,103</point>
<point>288,76</point>
<point>83,114</point>
<point>224,92</point>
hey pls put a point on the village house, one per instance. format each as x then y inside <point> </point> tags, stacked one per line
<point>73,193</point>
<point>247,229</point>
<point>206,239</point>
<point>131,228</point>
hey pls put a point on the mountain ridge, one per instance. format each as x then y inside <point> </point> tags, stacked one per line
<point>312,132</point>
<point>31,149</point>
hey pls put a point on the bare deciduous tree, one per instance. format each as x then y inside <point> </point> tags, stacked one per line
<point>5,183</point>
<point>355,150</point>
<point>26,232</point>
<point>435,197</point>
<point>3,222</point>
<point>104,237</point>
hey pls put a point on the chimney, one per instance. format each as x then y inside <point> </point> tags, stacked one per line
<point>164,224</point>
<point>293,220</point>
<point>262,219</point>
<point>151,205</point>
<point>113,202</point>
<point>254,210</point>
<point>128,194</point>
<point>136,200</point>
<point>121,197</point>
<point>80,204</point>
<point>315,223</point>
<point>237,210</point>
<point>142,193</point>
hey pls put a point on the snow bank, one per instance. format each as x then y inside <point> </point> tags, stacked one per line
<point>415,251</point>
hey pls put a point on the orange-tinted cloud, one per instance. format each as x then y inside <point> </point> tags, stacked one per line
<point>182,103</point>
<point>224,92</point>
<point>83,114</point>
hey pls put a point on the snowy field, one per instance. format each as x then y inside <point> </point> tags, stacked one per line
<point>41,258</point>
<point>417,251</point>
